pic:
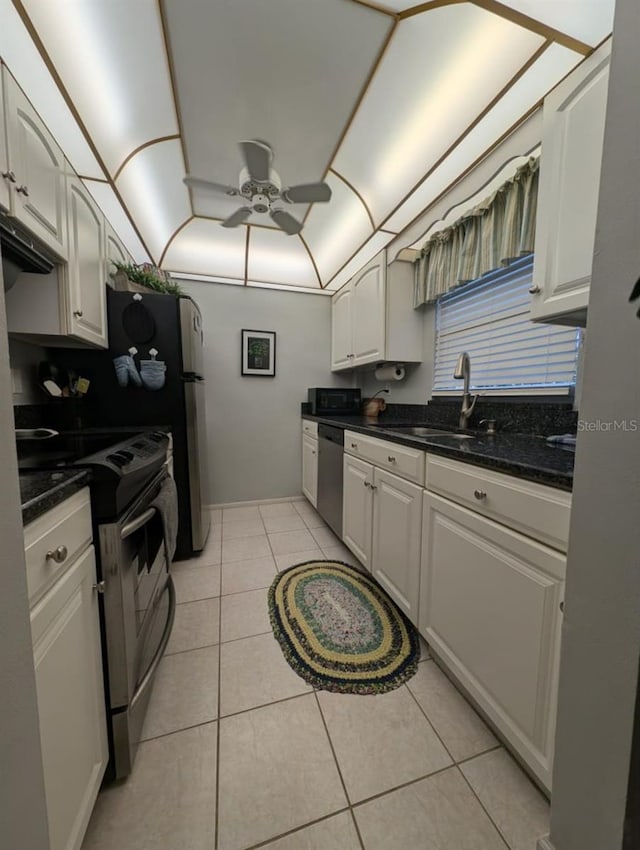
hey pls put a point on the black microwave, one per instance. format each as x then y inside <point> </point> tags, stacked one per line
<point>334,401</point>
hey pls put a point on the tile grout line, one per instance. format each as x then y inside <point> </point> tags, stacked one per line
<point>296,829</point>
<point>457,767</point>
<point>335,758</point>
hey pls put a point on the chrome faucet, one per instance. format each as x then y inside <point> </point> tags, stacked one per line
<point>463,370</point>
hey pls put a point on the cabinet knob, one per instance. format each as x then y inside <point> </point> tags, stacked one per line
<point>354,445</point>
<point>23,191</point>
<point>78,314</point>
<point>366,484</point>
<point>99,587</point>
<point>374,486</point>
<point>313,451</point>
<point>10,176</point>
<point>58,555</point>
<point>534,290</point>
<point>480,495</point>
<point>391,459</point>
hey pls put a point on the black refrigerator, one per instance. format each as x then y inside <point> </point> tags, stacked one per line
<point>173,328</point>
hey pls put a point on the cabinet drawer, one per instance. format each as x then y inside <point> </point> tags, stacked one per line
<point>404,461</point>
<point>536,510</point>
<point>310,428</point>
<point>67,525</point>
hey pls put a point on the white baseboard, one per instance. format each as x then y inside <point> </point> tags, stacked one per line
<point>545,844</point>
<point>254,502</point>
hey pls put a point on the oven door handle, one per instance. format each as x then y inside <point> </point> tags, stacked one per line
<point>153,666</point>
<point>137,523</point>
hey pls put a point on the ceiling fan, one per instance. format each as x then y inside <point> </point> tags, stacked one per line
<point>261,188</point>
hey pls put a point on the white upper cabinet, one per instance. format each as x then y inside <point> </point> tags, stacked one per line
<point>5,182</point>
<point>572,142</point>
<point>114,250</point>
<point>86,302</point>
<point>373,318</point>
<point>368,313</point>
<point>341,336</point>
<point>35,171</point>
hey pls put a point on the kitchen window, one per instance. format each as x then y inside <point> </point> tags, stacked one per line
<point>510,355</point>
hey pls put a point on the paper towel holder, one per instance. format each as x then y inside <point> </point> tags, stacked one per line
<point>389,372</point>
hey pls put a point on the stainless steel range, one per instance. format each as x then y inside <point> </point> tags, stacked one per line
<point>129,474</point>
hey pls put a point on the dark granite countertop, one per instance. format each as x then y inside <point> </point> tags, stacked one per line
<point>42,490</point>
<point>523,455</point>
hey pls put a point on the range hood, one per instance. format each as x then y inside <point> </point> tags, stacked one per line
<point>19,254</point>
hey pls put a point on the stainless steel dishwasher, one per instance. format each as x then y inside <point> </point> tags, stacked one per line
<point>330,447</point>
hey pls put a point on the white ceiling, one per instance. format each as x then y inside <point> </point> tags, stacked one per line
<point>388,102</point>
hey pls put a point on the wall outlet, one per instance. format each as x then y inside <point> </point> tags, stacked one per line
<point>16,381</point>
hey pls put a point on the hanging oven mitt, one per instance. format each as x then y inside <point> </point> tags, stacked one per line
<point>126,369</point>
<point>153,371</point>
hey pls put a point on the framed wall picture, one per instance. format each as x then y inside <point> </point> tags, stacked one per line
<point>259,353</point>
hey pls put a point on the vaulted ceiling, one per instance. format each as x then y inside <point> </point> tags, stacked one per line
<point>387,101</point>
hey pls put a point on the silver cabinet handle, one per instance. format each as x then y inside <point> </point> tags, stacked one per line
<point>313,451</point>
<point>366,484</point>
<point>374,486</point>
<point>58,555</point>
<point>99,587</point>
<point>354,445</point>
<point>10,176</point>
<point>391,459</point>
<point>23,191</point>
<point>534,290</point>
<point>78,314</point>
<point>480,495</point>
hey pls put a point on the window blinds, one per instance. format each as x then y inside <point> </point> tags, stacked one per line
<point>489,318</point>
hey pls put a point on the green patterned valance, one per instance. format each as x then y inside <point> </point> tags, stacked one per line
<point>493,234</point>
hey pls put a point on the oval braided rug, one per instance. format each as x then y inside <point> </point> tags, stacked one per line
<point>340,631</point>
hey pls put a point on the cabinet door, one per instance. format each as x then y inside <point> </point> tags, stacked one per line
<point>86,302</point>
<point>368,312</point>
<point>310,469</point>
<point>357,508</point>
<point>397,525</point>
<point>5,171</point>
<point>490,605</point>
<point>341,339</point>
<point>114,251</point>
<point>572,141</point>
<point>71,708</point>
<point>38,193</point>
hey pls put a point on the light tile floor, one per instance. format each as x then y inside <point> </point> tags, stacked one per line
<point>240,753</point>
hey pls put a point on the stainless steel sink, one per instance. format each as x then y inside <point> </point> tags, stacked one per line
<point>424,431</point>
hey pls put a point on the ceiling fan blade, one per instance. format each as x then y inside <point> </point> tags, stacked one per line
<point>307,193</point>
<point>209,186</point>
<point>257,156</point>
<point>286,222</point>
<point>237,217</point>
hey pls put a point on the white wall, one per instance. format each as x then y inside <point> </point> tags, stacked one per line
<point>254,449</point>
<point>23,817</point>
<point>25,358</point>
<point>417,385</point>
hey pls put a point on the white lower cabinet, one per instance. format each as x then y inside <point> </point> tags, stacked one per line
<point>397,527</point>
<point>310,468</point>
<point>357,508</point>
<point>381,524</point>
<point>70,692</point>
<point>490,606</point>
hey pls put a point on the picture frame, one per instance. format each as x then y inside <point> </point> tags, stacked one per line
<point>258,353</point>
